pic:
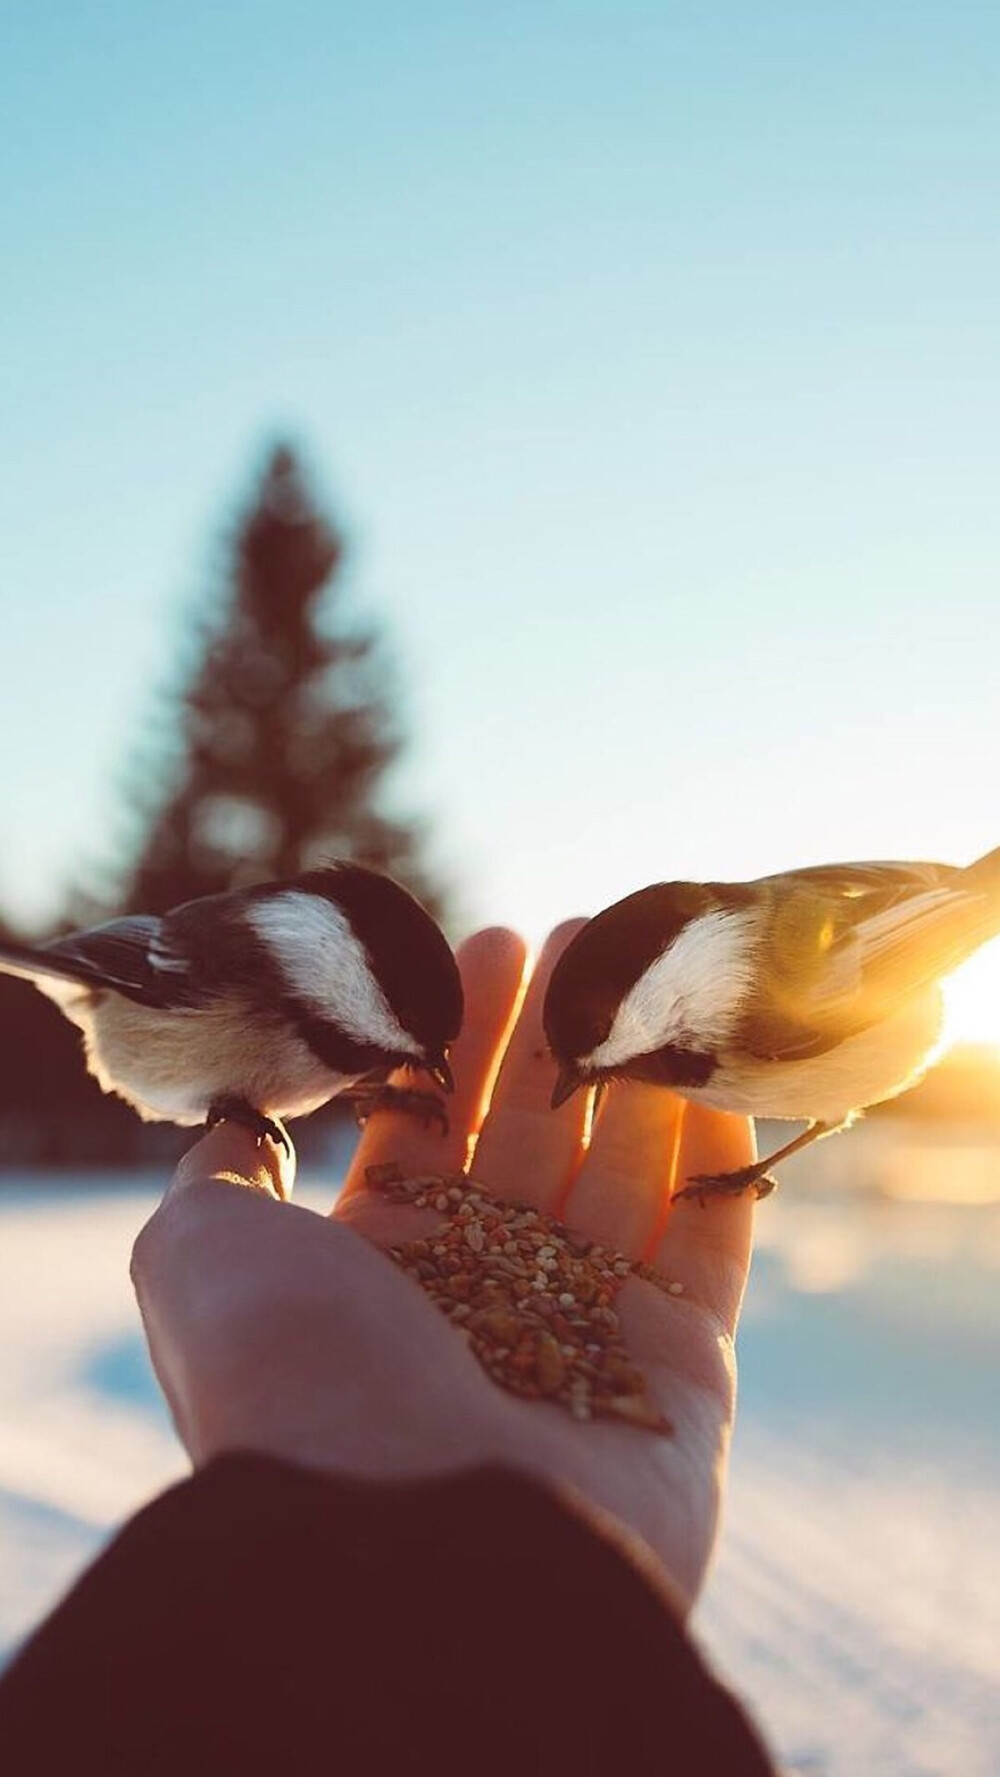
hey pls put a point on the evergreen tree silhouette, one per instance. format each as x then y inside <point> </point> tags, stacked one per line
<point>285,729</point>
<point>276,750</point>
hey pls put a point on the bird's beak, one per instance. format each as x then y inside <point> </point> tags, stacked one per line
<point>441,1073</point>
<point>567,1083</point>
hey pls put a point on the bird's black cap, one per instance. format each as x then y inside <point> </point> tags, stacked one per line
<point>408,950</point>
<point>606,958</point>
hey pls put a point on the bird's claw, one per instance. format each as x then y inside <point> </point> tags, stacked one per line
<point>427,1107</point>
<point>236,1110</point>
<point>729,1184</point>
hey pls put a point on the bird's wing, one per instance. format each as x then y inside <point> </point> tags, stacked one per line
<point>848,944</point>
<point>133,956</point>
<point>880,882</point>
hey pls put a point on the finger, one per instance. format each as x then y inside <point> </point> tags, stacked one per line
<point>621,1194</point>
<point>526,1150</point>
<point>233,1154</point>
<point>706,1247</point>
<point>492,967</point>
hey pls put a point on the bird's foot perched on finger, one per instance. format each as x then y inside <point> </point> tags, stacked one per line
<point>427,1107</point>
<point>237,1110</point>
<point>729,1184</point>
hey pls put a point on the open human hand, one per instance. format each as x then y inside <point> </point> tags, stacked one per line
<point>276,1329</point>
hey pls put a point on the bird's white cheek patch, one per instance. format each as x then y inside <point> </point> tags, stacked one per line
<point>326,966</point>
<point>690,995</point>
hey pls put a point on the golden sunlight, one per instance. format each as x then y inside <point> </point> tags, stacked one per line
<point>972,999</point>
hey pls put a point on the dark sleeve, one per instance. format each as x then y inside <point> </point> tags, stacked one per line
<point>262,1618</point>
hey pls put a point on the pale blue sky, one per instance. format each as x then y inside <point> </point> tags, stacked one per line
<point>647,353</point>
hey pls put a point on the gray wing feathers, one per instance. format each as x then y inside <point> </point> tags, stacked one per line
<point>906,947</point>
<point>882,880</point>
<point>48,976</point>
<point>127,955</point>
<point>889,932</point>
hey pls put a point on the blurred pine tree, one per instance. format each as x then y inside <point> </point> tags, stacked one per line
<point>270,759</point>
<point>285,729</point>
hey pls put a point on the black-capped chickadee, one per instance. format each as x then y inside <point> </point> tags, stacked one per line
<point>804,996</point>
<point>259,1004</point>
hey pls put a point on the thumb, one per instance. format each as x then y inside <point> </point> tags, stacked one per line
<point>232,1155</point>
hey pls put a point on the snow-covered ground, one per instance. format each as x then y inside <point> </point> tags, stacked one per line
<point>855,1601</point>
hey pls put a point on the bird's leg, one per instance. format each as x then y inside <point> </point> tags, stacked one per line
<point>373,1095</point>
<point>756,1178</point>
<point>237,1110</point>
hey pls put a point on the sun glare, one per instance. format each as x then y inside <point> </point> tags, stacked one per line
<point>972,1000</point>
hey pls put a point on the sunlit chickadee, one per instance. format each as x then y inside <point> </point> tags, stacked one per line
<point>804,996</point>
<point>259,1004</point>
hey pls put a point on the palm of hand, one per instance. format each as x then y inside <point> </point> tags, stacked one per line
<point>644,1144</point>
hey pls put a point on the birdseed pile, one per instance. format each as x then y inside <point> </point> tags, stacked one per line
<point>535,1302</point>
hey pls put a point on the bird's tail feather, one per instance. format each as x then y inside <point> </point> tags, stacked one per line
<point>56,978</point>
